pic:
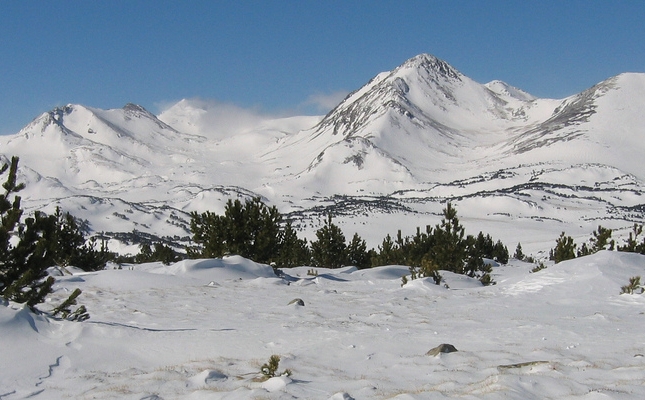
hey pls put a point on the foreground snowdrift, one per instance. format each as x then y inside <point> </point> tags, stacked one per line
<point>202,329</point>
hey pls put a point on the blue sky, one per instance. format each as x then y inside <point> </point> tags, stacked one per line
<point>296,57</point>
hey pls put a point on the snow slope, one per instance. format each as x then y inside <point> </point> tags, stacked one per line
<point>388,157</point>
<point>202,329</point>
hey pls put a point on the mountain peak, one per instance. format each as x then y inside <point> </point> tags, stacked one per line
<point>136,110</point>
<point>431,64</point>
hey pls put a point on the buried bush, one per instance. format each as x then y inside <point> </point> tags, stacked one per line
<point>270,369</point>
<point>633,286</point>
<point>66,312</point>
<point>634,243</point>
<point>428,268</point>
<point>539,267</point>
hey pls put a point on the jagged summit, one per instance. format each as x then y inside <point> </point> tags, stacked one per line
<point>430,64</point>
<point>136,110</point>
<point>391,91</point>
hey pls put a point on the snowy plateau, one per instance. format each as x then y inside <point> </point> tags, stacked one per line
<point>388,157</point>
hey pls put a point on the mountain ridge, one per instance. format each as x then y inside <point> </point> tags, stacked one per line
<point>406,142</point>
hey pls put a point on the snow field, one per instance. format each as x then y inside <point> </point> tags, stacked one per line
<point>202,329</point>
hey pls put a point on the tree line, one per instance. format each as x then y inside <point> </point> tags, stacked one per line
<point>566,249</point>
<point>258,232</point>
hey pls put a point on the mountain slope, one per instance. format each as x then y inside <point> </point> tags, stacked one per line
<point>424,115</point>
<point>392,152</point>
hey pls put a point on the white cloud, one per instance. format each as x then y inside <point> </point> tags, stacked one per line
<point>219,120</point>
<point>211,117</point>
<point>324,102</point>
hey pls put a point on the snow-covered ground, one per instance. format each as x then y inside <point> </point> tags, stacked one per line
<point>201,329</point>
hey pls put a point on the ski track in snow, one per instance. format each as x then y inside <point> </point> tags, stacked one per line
<point>561,333</point>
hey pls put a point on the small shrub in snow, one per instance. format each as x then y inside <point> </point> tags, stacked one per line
<point>428,269</point>
<point>633,286</point>
<point>65,311</point>
<point>634,243</point>
<point>486,279</point>
<point>539,267</point>
<point>298,302</point>
<point>442,348</point>
<point>312,272</point>
<point>270,369</point>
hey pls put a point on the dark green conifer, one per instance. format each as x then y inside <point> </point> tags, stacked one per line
<point>449,250</point>
<point>292,251</point>
<point>565,249</point>
<point>519,254</point>
<point>23,265</point>
<point>357,252</point>
<point>388,253</point>
<point>250,230</point>
<point>329,250</point>
<point>26,250</point>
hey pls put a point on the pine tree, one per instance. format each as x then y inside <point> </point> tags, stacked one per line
<point>500,252</point>
<point>27,250</point>
<point>519,254</point>
<point>485,246</point>
<point>250,230</point>
<point>601,240</point>
<point>474,260</point>
<point>633,245</point>
<point>209,234</point>
<point>357,253</point>
<point>419,245</point>
<point>389,253</point>
<point>292,251</point>
<point>161,253</point>
<point>564,249</point>
<point>329,250</point>
<point>70,246</point>
<point>449,251</point>
<point>145,254</point>
<point>253,229</point>
<point>67,238</point>
<point>23,276</point>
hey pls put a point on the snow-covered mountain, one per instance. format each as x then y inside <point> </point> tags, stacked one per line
<point>386,158</point>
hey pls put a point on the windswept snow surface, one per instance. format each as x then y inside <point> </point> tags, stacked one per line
<point>201,329</point>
